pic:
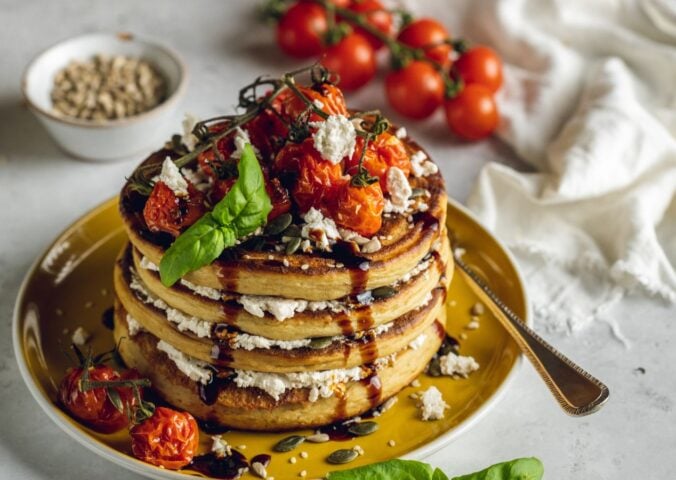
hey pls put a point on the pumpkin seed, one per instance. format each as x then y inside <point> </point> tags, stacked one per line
<point>383,292</point>
<point>417,192</point>
<point>292,231</point>
<point>434,368</point>
<point>293,245</point>
<point>342,456</point>
<point>320,342</point>
<point>279,224</point>
<point>450,345</point>
<point>363,428</point>
<point>288,444</point>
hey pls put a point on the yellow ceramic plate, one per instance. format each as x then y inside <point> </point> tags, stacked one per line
<point>71,285</point>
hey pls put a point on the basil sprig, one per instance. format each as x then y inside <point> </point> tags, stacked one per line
<point>519,469</point>
<point>243,209</point>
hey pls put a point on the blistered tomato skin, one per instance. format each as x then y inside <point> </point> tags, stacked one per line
<point>372,162</point>
<point>301,28</point>
<point>328,98</point>
<point>317,183</point>
<point>392,152</point>
<point>359,209</point>
<point>168,439</point>
<point>165,212</point>
<point>93,407</point>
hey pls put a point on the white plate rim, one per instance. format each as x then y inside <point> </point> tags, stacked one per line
<point>150,471</point>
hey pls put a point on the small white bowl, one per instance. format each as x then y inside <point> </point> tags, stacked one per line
<point>110,139</point>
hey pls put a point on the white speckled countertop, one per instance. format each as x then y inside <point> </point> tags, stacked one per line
<point>42,191</point>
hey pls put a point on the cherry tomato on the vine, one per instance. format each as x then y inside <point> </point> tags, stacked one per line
<point>371,161</point>
<point>168,439</point>
<point>301,29</point>
<point>352,59</point>
<point>377,16</point>
<point>327,95</point>
<point>415,90</point>
<point>93,407</point>
<point>473,114</point>
<point>480,65</point>
<point>359,208</point>
<point>431,36</point>
<point>317,181</point>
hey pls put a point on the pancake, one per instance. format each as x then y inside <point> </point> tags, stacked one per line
<point>405,238</point>
<point>250,408</point>
<point>347,316</point>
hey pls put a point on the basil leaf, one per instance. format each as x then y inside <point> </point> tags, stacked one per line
<point>519,469</point>
<point>246,205</point>
<point>200,245</point>
<point>390,470</point>
<point>245,208</point>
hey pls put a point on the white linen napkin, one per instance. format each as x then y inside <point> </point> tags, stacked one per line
<point>590,102</point>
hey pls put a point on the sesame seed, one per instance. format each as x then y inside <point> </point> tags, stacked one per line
<point>358,449</point>
<point>303,473</point>
<point>415,383</point>
<point>285,262</point>
<point>391,443</point>
<point>304,455</point>
<point>104,291</point>
<point>453,303</point>
<point>89,304</point>
<point>242,447</point>
<point>463,336</point>
<point>477,309</point>
<point>473,325</point>
<point>304,266</point>
<point>292,460</point>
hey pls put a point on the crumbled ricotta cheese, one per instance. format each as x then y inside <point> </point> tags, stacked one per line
<point>280,308</point>
<point>418,342</point>
<point>351,236</point>
<point>251,342</point>
<point>320,229</point>
<point>146,264</point>
<point>371,246</point>
<point>432,404</point>
<point>320,382</point>
<point>80,336</point>
<point>133,326</point>
<point>198,178</point>
<point>183,322</point>
<point>335,138</point>
<point>207,292</point>
<point>241,139</point>
<point>220,447</point>
<point>421,166</point>
<point>401,133</point>
<point>399,190</point>
<point>188,138</point>
<point>318,103</point>
<point>195,370</point>
<point>172,178</point>
<point>457,365</point>
<point>417,270</point>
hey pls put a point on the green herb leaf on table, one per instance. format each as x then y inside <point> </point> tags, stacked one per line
<point>518,469</point>
<point>244,208</point>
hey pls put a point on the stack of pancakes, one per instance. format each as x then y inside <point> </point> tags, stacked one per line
<point>262,340</point>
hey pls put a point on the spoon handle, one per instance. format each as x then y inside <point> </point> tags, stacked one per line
<point>577,392</point>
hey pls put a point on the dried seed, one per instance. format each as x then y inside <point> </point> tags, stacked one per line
<point>383,292</point>
<point>417,192</point>
<point>434,368</point>
<point>342,456</point>
<point>318,438</point>
<point>477,309</point>
<point>391,443</point>
<point>303,473</point>
<point>320,342</point>
<point>288,444</point>
<point>279,224</point>
<point>292,231</point>
<point>292,460</point>
<point>304,455</point>
<point>362,429</point>
<point>293,245</point>
<point>259,469</point>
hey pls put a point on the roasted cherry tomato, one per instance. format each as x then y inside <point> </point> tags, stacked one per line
<point>318,179</point>
<point>415,90</point>
<point>327,95</point>
<point>267,133</point>
<point>359,208</point>
<point>353,59</point>
<point>165,212</point>
<point>220,188</point>
<point>279,197</point>
<point>377,16</point>
<point>168,439</point>
<point>301,29</point>
<point>93,407</point>
<point>372,162</point>
<point>392,152</point>
<point>431,36</point>
<point>480,65</point>
<point>473,114</point>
